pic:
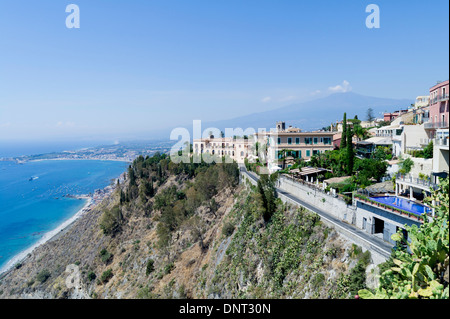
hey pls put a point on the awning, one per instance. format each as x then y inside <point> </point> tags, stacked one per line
<point>308,171</point>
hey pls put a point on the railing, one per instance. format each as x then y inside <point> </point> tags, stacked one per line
<point>426,182</point>
<point>385,134</point>
<point>315,187</point>
<point>439,98</point>
<point>441,141</point>
<point>393,209</point>
<point>425,141</point>
<point>435,125</point>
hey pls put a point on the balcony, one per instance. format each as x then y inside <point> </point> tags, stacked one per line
<point>423,183</point>
<point>435,125</point>
<point>441,142</point>
<point>425,141</point>
<point>439,98</point>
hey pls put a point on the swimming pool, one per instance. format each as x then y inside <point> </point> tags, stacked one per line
<point>403,204</point>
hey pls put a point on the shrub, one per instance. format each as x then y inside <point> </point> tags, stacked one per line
<point>106,276</point>
<point>318,280</point>
<point>168,268</point>
<point>43,276</point>
<point>227,229</point>
<point>111,220</point>
<point>105,256</point>
<point>91,276</point>
<point>150,267</point>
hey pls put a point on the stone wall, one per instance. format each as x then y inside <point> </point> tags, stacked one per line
<point>318,198</point>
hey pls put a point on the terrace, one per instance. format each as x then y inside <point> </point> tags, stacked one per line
<point>396,205</point>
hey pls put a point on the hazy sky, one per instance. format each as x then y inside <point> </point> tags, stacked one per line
<point>135,66</point>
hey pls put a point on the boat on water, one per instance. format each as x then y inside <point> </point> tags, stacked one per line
<point>32,178</point>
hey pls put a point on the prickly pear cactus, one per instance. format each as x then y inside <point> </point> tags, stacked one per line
<point>421,273</point>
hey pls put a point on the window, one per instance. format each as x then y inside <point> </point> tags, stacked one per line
<point>364,225</point>
<point>297,140</point>
<point>327,140</point>
<point>315,152</point>
<point>299,154</point>
<point>315,140</point>
<point>279,140</point>
<point>308,153</point>
<point>289,140</point>
<point>321,140</point>
<point>307,140</point>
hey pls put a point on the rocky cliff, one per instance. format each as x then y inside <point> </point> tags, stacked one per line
<point>190,231</point>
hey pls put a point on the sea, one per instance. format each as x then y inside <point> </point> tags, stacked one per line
<point>33,198</point>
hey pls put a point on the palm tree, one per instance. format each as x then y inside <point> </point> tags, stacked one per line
<point>284,153</point>
<point>361,133</point>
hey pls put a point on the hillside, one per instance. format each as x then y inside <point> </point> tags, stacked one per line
<point>191,231</point>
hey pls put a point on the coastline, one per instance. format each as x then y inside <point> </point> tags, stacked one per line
<point>91,202</point>
<point>81,159</point>
<point>20,257</point>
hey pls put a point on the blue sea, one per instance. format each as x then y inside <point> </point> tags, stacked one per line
<point>31,208</point>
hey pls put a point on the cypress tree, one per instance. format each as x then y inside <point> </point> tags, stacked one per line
<point>344,132</point>
<point>350,153</point>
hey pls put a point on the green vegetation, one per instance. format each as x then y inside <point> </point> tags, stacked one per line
<point>421,273</point>
<point>382,153</point>
<point>349,155</point>
<point>179,206</point>
<point>364,172</point>
<point>280,257</point>
<point>344,132</point>
<point>406,166</point>
<point>106,276</point>
<point>150,267</point>
<point>91,276</point>
<point>43,275</point>
<point>105,256</point>
<point>267,192</point>
<point>426,153</point>
<point>111,220</point>
<point>228,229</point>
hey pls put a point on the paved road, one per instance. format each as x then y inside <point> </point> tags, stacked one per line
<point>375,243</point>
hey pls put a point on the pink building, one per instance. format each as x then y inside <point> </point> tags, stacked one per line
<point>439,110</point>
<point>389,117</point>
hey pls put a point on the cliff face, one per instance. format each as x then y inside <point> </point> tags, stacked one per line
<point>219,247</point>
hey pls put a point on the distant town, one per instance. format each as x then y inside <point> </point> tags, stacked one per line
<point>126,152</point>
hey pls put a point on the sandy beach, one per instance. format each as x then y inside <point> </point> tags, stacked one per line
<point>49,235</point>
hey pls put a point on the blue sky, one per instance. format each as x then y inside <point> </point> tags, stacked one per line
<point>136,66</point>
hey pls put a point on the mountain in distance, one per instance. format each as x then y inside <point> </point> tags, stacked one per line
<point>315,114</point>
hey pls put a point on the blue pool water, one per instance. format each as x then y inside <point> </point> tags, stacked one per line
<point>31,208</point>
<point>403,204</point>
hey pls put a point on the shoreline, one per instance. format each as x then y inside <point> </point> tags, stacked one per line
<point>17,161</point>
<point>23,255</point>
<point>91,202</point>
<point>80,159</point>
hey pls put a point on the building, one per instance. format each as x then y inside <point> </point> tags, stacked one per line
<point>389,117</point>
<point>422,101</point>
<point>285,146</point>
<point>440,155</point>
<point>237,149</point>
<point>421,115</point>
<point>439,108</point>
